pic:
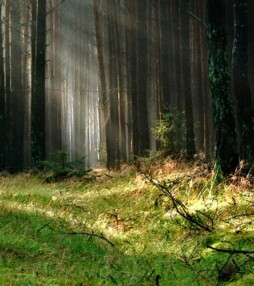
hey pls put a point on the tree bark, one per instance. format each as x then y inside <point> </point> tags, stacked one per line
<point>38,90</point>
<point>17,93</point>
<point>186,74</point>
<point>241,85</point>
<point>226,142</point>
<point>142,145</point>
<point>3,155</point>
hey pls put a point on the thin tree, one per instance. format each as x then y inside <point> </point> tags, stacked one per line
<point>104,102</point>
<point>7,56</point>
<point>186,74</point>
<point>17,94</point>
<point>38,89</point>
<point>2,102</point>
<point>140,120</point>
<point>113,155</point>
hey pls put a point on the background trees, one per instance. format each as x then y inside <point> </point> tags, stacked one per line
<point>93,77</point>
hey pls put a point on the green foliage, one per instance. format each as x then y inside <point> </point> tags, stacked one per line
<point>44,241</point>
<point>62,167</point>
<point>170,131</point>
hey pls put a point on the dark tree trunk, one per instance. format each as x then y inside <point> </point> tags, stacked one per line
<point>175,14</point>
<point>17,94</point>
<point>157,51</point>
<point>113,156</point>
<point>7,81</point>
<point>240,80</point>
<point>226,143</point>
<point>186,73</point>
<point>141,100</point>
<point>38,90</point>
<point>166,53</point>
<point>132,42</point>
<point>121,82</point>
<point>251,49</point>
<point>3,155</point>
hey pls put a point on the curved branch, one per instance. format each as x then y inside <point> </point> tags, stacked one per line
<point>231,251</point>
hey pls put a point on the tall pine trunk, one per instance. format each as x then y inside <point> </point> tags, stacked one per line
<point>17,94</point>
<point>2,104</point>
<point>186,74</point>
<point>241,85</point>
<point>38,89</point>
<point>226,142</point>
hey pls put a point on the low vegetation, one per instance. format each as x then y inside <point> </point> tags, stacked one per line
<point>167,224</point>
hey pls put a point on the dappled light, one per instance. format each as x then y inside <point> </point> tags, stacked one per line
<point>123,220</point>
<point>126,142</point>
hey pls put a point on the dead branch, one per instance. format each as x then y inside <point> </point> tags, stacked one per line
<point>45,225</point>
<point>91,234</point>
<point>231,251</point>
<point>55,7</point>
<point>181,209</point>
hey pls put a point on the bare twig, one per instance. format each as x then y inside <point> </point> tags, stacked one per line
<point>45,225</point>
<point>239,215</point>
<point>197,19</point>
<point>231,251</point>
<point>50,10</point>
<point>91,234</point>
<point>181,209</point>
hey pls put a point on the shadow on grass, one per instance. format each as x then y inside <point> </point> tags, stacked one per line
<point>34,252</point>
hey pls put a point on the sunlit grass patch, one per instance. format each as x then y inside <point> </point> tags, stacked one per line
<point>47,230</point>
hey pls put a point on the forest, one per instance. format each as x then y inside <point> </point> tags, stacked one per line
<point>127,142</point>
<point>95,78</point>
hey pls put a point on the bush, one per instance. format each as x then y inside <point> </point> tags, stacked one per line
<point>61,167</point>
<point>170,131</point>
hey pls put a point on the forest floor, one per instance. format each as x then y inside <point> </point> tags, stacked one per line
<point>168,224</point>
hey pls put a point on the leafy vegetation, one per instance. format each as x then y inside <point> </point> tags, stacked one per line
<point>122,229</point>
<point>170,131</point>
<point>61,167</point>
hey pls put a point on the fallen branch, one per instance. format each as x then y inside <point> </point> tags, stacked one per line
<point>239,215</point>
<point>45,225</point>
<point>231,251</point>
<point>195,220</point>
<point>91,234</point>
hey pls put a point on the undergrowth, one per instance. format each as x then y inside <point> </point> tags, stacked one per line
<point>170,224</point>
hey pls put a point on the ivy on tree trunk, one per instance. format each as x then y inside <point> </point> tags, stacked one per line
<point>226,140</point>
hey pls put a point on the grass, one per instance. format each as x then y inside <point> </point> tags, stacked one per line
<point>118,229</point>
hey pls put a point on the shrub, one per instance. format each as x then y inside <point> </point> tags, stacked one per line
<point>62,167</point>
<point>170,131</point>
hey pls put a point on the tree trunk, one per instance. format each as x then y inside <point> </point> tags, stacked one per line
<point>141,100</point>
<point>38,90</point>
<point>7,81</point>
<point>114,154</point>
<point>226,143</point>
<point>17,94</point>
<point>166,54</point>
<point>240,80</point>
<point>3,155</point>
<point>186,74</point>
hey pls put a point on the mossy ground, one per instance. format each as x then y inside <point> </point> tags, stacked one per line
<point>45,227</point>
